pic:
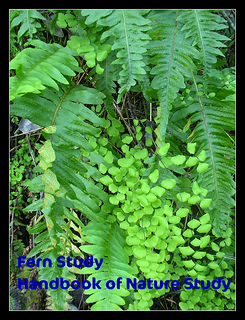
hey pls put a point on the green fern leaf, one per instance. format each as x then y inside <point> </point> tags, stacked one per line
<point>128,28</point>
<point>41,66</point>
<point>202,27</point>
<point>171,58</point>
<point>94,15</point>
<point>108,242</point>
<point>105,82</point>
<point>213,116</point>
<point>63,182</point>
<point>28,21</point>
<point>217,116</point>
<point>59,295</point>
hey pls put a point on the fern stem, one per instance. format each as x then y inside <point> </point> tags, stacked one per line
<point>208,135</point>
<point>165,108</point>
<point>126,38</point>
<point>172,50</point>
<point>59,104</point>
<point>203,48</point>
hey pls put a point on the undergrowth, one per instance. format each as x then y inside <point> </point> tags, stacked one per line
<point>134,159</point>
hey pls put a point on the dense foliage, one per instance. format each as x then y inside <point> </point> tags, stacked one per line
<point>134,157</point>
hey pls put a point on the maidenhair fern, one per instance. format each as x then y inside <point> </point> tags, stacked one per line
<point>158,208</point>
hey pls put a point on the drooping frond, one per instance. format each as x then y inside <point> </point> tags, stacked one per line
<point>66,182</point>
<point>211,133</point>
<point>72,126</point>
<point>43,66</point>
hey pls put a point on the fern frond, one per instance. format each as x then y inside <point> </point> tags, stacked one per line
<point>107,241</point>
<point>41,66</point>
<point>28,21</point>
<point>74,124</point>
<point>202,27</point>
<point>105,82</point>
<point>218,116</point>
<point>57,299</point>
<point>171,57</point>
<point>51,244</point>
<point>128,29</point>
<point>213,117</point>
<point>62,166</point>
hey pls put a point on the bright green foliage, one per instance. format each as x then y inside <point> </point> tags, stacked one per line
<point>28,21</point>
<point>40,67</point>
<point>215,148</point>
<point>90,51</point>
<point>177,160</point>
<point>115,264</point>
<point>158,208</point>
<point>168,183</point>
<point>191,147</point>
<point>128,31</point>
<point>202,27</point>
<point>172,55</point>
<point>64,19</point>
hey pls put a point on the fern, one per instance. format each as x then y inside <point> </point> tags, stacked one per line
<point>128,28</point>
<point>144,210</point>
<point>171,59</point>
<point>28,21</point>
<point>48,64</point>
<point>107,85</point>
<point>201,27</point>
<point>107,241</point>
<point>63,181</point>
<point>212,116</point>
